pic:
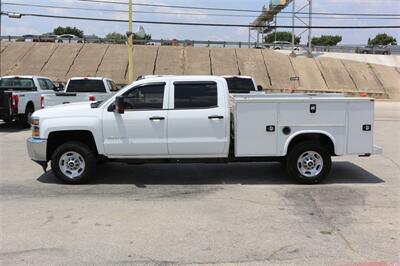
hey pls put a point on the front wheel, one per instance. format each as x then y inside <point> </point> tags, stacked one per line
<point>73,163</point>
<point>308,163</point>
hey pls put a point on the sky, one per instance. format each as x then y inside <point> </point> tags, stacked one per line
<point>34,25</point>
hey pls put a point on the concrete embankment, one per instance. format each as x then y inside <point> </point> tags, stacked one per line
<point>271,69</point>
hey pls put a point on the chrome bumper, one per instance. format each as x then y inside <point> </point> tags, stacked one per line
<point>37,149</point>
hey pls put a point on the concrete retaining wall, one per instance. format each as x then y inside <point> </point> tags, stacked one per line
<point>271,69</point>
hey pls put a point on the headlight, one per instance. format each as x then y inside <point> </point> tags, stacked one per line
<point>35,127</point>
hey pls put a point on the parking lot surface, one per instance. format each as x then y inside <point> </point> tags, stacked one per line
<point>247,213</point>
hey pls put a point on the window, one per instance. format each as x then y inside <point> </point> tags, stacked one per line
<point>50,84</point>
<point>240,85</point>
<point>112,85</point>
<point>43,84</point>
<point>17,83</point>
<point>191,95</point>
<point>145,97</point>
<point>86,85</point>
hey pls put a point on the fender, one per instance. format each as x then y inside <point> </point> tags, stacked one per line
<point>303,132</point>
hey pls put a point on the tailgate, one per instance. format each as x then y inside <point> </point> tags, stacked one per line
<point>5,103</point>
<point>65,98</point>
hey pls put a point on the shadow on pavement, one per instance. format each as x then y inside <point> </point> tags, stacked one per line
<point>11,127</point>
<point>213,174</point>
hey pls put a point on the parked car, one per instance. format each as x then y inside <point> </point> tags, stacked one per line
<point>283,45</point>
<point>374,49</point>
<point>81,89</point>
<point>48,38</point>
<point>20,96</point>
<point>69,38</point>
<point>195,119</point>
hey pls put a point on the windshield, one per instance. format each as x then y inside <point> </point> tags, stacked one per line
<point>17,84</point>
<point>86,85</point>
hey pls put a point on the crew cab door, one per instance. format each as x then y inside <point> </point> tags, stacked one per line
<point>142,130</point>
<point>197,119</point>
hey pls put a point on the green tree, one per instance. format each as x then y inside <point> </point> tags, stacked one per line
<point>285,36</point>
<point>68,30</point>
<point>327,40</point>
<point>382,39</point>
<point>116,37</point>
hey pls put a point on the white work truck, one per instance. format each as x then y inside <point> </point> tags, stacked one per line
<point>195,119</point>
<point>20,96</point>
<point>81,89</point>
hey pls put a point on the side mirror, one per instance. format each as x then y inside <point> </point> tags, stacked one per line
<point>260,88</point>
<point>119,105</point>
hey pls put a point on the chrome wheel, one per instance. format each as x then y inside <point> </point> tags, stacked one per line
<point>310,164</point>
<point>72,164</point>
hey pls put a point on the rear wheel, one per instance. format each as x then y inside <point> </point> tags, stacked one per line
<point>27,116</point>
<point>308,163</point>
<point>73,163</point>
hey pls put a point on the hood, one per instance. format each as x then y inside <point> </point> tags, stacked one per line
<point>66,110</point>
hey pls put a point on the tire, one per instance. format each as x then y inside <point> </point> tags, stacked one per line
<point>73,163</point>
<point>308,163</point>
<point>26,117</point>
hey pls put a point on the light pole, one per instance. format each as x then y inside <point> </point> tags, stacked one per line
<point>130,44</point>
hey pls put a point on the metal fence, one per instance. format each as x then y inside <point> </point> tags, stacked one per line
<point>390,49</point>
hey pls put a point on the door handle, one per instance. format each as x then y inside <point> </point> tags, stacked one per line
<point>215,117</point>
<point>157,118</point>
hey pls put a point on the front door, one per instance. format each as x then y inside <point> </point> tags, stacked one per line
<point>142,130</point>
<point>197,120</point>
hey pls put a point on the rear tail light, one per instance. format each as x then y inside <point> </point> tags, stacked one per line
<point>41,102</point>
<point>15,101</point>
<point>92,98</point>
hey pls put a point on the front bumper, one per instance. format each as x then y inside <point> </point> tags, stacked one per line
<point>37,149</point>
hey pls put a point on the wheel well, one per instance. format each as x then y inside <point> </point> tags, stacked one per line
<point>319,138</point>
<point>58,138</point>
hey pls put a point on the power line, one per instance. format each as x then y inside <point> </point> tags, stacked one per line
<point>205,24</point>
<point>174,13</point>
<point>237,10</point>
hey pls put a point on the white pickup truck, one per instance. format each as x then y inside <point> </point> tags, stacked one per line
<point>195,119</point>
<point>81,89</point>
<point>20,96</point>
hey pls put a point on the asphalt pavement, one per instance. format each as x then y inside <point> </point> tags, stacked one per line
<point>247,213</point>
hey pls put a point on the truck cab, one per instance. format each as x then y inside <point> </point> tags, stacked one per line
<point>196,119</point>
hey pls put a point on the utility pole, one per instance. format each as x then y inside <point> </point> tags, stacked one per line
<point>293,23</point>
<point>130,44</point>
<point>309,27</point>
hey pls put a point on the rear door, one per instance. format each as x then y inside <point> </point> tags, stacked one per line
<point>197,119</point>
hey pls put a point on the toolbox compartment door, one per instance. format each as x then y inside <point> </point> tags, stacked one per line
<point>360,127</point>
<point>256,129</point>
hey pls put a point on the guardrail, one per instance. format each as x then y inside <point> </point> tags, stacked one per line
<point>391,49</point>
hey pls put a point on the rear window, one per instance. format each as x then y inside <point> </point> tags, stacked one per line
<point>86,85</point>
<point>17,84</point>
<point>240,85</point>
